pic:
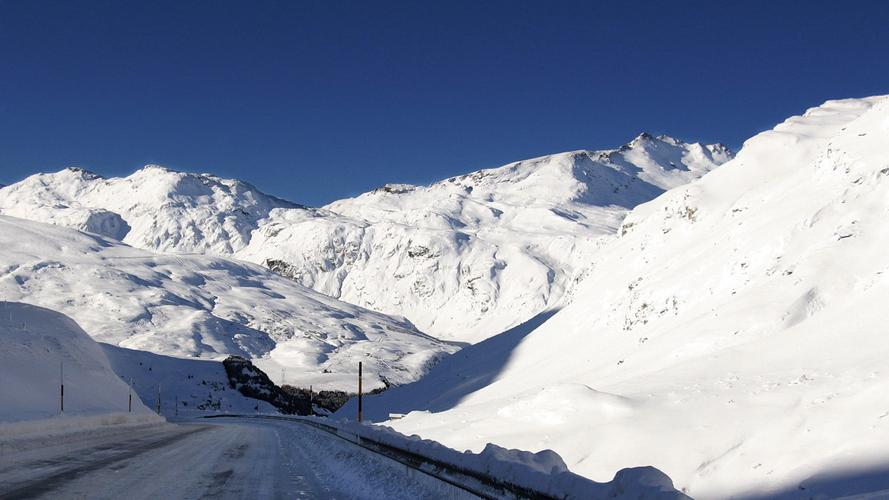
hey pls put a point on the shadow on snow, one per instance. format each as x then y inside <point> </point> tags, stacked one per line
<point>452,379</point>
<point>863,482</point>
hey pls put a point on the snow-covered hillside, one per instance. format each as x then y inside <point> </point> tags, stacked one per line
<point>471,256</point>
<point>155,208</point>
<point>196,386</point>
<point>464,258</point>
<point>733,336</point>
<point>195,306</point>
<point>38,349</point>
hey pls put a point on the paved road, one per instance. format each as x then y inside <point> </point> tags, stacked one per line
<point>240,459</point>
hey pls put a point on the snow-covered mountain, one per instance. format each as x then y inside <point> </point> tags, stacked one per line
<point>471,256</point>
<point>154,208</point>
<point>733,335</point>
<point>197,306</point>
<point>463,259</point>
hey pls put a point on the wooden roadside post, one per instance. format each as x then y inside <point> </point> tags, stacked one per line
<point>61,386</point>
<point>130,398</point>
<point>360,409</point>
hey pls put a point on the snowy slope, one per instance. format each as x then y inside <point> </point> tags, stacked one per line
<point>37,348</point>
<point>154,208</point>
<point>471,256</point>
<point>194,306</point>
<point>463,259</point>
<point>197,386</point>
<point>733,335</point>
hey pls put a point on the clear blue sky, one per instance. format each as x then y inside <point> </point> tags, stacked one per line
<point>315,101</point>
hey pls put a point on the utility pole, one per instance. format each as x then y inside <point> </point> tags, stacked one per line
<point>62,386</point>
<point>130,402</point>
<point>311,397</point>
<point>360,409</point>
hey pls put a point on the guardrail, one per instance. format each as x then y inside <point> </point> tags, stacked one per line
<point>469,481</point>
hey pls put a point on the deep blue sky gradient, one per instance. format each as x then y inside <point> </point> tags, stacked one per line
<point>315,101</point>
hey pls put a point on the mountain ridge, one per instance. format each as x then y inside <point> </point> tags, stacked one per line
<point>445,253</point>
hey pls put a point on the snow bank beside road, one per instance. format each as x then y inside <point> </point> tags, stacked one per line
<point>37,348</point>
<point>27,433</point>
<point>543,472</point>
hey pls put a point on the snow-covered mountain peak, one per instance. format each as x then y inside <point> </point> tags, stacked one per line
<point>155,207</point>
<point>157,168</point>
<point>644,138</point>
<point>717,152</point>
<point>164,182</point>
<point>82,173</point>
<point>588,177</point>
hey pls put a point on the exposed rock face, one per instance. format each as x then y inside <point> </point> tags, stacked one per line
<point>254,383</point>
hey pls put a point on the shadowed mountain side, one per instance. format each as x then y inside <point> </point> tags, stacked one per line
<point>451,380</point>
<point>848,482</point>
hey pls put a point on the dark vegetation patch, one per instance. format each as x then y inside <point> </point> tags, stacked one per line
<point>252,382</point>
<point>330,401</point>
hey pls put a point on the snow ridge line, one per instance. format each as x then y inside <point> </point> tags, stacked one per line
<point>469,481</point>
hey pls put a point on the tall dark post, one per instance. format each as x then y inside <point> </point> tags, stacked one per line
<point>176,411</point>
<point>311,401</point>
<point>61,386</point>
<point>130,402</point>
<point>158,399</point>
<point>360,409</point>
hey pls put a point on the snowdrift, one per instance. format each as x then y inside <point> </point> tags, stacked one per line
<point>733,334</point>
<point>39,349</point>
<point>539,473</point>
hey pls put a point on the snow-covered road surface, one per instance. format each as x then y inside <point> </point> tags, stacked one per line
<point>232,459</point>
